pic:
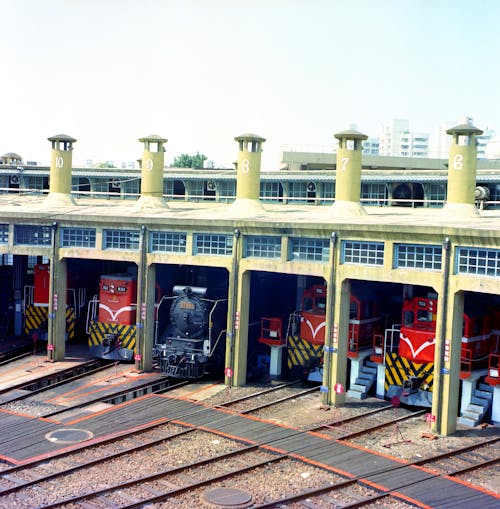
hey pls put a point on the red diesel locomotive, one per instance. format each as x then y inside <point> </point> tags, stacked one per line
<point>111,318</point>
<point>36,303</point>
<point>410,348</point>
<point>305,334</point>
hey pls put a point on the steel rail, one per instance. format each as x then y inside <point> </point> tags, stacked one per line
<point>255,447</point>
<point>88,463</point>
<point>447,454</point>
<point>171,471</point>
<point>380,425</point>
<point>345,420</point>
<point>485,463</point>
<point>118,394</point>
<point>7,357</point>
<point>54,375</point>
<point>281,400</point>
<point>369,500</point>
<point>254,395</point>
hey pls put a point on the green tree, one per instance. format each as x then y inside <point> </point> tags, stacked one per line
<point>187,161</point>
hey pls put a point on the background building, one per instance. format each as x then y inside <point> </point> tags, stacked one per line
<point>397,140</point>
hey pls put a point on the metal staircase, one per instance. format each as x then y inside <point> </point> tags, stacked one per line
<point>478,407</point>
<point>365,380</point>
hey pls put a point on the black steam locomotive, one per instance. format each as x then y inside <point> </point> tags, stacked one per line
<point>193,341</point>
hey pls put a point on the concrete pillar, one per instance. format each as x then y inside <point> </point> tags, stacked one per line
<point>446,387</point>
<point>141,310</point>
<point>241,330</point>
<point>60,171</point>
<point>56,330</point>
<point>338,357</point>
<point>380,388</point>
<point>348,175</point>
<point>462,167</point>
<point>276,360</point>
<point>152,164</point>
<point>331,336</point>
<point>495,409</point>
<point>59,335</point>
<point>149,322</point>
<point>247,201</point>
<point>235,374</point>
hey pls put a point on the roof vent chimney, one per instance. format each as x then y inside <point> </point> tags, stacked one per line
<point>462,167</point>
<point>348,175</point>
<point>60,171</point>
<point>247,201</point>
<point>152,163</point>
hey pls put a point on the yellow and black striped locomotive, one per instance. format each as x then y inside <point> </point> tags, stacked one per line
<point>111,318</point>
<point>36,304</point>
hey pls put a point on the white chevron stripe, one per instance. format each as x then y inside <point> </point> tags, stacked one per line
<point>314,331</point>
<point>114,314</point>
<point>422,347</point>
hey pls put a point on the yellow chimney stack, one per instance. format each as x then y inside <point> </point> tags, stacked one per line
<point>348,174</point>
<point>152,164</point>
<point>248,175</point>
<point>462,166</point>
<point>60,171</point>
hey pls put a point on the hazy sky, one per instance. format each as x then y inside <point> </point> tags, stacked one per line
<point>200,72</point>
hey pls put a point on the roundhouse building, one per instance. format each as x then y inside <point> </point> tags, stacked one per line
<point>270,254</point>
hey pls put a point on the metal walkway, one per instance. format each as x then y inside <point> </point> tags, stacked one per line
<point>23,439</point>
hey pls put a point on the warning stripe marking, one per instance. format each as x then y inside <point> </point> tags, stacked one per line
<point>398,369</point>
<point>126,333</point>
<point>36,317</point>
<point>301,351</point>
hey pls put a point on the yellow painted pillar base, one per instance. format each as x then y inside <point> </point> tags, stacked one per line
<point>245,207</point>
<point>346,209</point>
<point>460,210</point>
<point>150,203</point>
<point>58,200</point>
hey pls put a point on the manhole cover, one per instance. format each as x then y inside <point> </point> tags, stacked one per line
<point>227,497</point>
<point>69,436</point>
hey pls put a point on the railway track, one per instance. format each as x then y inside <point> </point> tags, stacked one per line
<point>367,422</point>
<point>154,464</point>
<point>160,386</point>
<point>242,465</point>
<point>466,459</point>
<point>259,400</point>
<point>340,429</point>
<point>18,352</point>
<point>52,380</point>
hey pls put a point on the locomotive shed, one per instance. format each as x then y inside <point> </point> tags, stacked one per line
<point>262,259</point>
<point>412,484</point>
